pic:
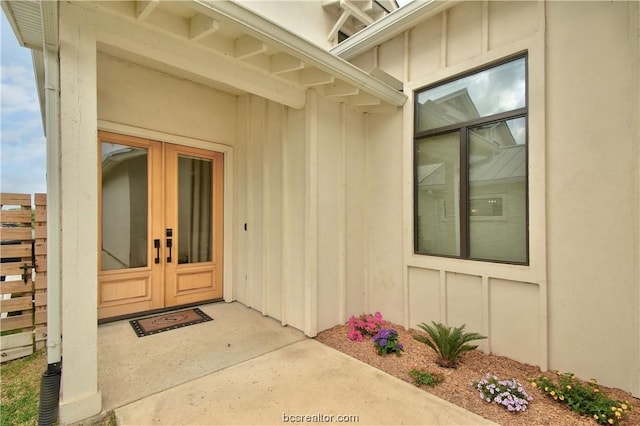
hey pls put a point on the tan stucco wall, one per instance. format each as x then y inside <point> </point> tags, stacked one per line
<point>592,191</point>
<point>138,96</point>
<point>581,284</point>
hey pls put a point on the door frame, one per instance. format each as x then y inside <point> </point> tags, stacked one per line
<point>228,293</point>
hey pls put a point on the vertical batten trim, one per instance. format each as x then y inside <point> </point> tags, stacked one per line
<point>266,208</point>
<point>485,26</point>
<point>311,215</point>
<point>539,52</point>
<point>444,317</point>
<point>342,213</point>
<point>544,324</point>
<point>486,313</point>
<point>250,201</point>
<point>443,39</point>
<point>407,193</point>
<point>367,251</point>
<point>229,248</point>
<point>284,303</point>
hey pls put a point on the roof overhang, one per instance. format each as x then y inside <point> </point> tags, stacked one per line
<point>220,43</point>
<point>391,25</point>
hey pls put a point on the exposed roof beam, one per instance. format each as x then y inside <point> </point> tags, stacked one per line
<point>196,61</point>
<point>390,26</point>
<point>282,62</point>
<point>315,77</point>
<point>201,26</point>
<point>341,21</point>
<point>356,12</point>
<point>339,89</point>
<point>285,41</point>
<point>247,46</point>
<point>144,8</point>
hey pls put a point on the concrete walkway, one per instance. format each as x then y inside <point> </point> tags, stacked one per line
<point>254,373</point>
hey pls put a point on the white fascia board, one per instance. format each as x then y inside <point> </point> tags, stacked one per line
<point>390,26</point>
<point>49,16</point>
<point>269,32</point>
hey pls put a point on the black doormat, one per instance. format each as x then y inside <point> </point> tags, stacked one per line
<point>168,321</point>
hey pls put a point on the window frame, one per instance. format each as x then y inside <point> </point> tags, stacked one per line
<point>463,129</point>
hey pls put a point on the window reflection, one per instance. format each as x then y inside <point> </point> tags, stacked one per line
<point>438,209</point>
<point>194,209</point>
<point>497,191</point>
<point>485,93</point>
<point>124,207</point>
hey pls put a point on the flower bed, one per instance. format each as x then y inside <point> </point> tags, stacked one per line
<point>474,366</point>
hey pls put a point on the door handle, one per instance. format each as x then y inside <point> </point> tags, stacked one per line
<point>168,233</point>
<point>156,245</point>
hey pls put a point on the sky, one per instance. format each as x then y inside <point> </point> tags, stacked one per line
<point>22,142</point>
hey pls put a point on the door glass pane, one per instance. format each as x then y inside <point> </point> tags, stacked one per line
<point>194,209</point>
<point>492,91</point>
<point>498,191</point>
<point>437,202</point>
<point>124,207</point>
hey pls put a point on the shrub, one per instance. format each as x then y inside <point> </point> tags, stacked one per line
<point>448,343</point>
<point>386,342</point>
<point>508,393</point>
<point>424,377</point>
<point>364,325</point>
<point>583,398</point>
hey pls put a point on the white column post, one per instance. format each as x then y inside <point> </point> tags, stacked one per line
<point>80,397</point>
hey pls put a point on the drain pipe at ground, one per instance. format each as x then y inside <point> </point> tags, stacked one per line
<point>50,383</point>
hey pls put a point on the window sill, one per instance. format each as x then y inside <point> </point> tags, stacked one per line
<point>506,271</point>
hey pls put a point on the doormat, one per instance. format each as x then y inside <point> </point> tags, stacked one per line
<point>169,321</point>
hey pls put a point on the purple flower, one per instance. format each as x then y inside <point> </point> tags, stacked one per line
<point>383,342</point>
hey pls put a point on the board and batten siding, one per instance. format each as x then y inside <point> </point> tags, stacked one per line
<point>304,264</point>
<point>582,281</point>
<point>505,302</point>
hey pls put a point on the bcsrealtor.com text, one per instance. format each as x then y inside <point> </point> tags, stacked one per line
<point>319,418</point>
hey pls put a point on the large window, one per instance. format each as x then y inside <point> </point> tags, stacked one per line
<point>470,165</point>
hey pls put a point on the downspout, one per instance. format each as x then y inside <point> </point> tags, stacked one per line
<point>50,384</point>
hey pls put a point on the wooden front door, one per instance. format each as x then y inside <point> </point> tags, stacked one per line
<point>161,217</point>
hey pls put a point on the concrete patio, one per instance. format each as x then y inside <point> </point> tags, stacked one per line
<point>244,368</point>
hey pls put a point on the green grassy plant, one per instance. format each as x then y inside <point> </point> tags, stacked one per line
<point>583,398</point>
<point>20,392</point>
<point>449,343</point>
<point>421,376</point>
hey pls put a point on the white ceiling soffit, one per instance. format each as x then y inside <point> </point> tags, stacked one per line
<point>26,21</point>
<point>396,22</point>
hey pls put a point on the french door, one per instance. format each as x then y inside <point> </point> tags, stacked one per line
<point>161,225</point>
